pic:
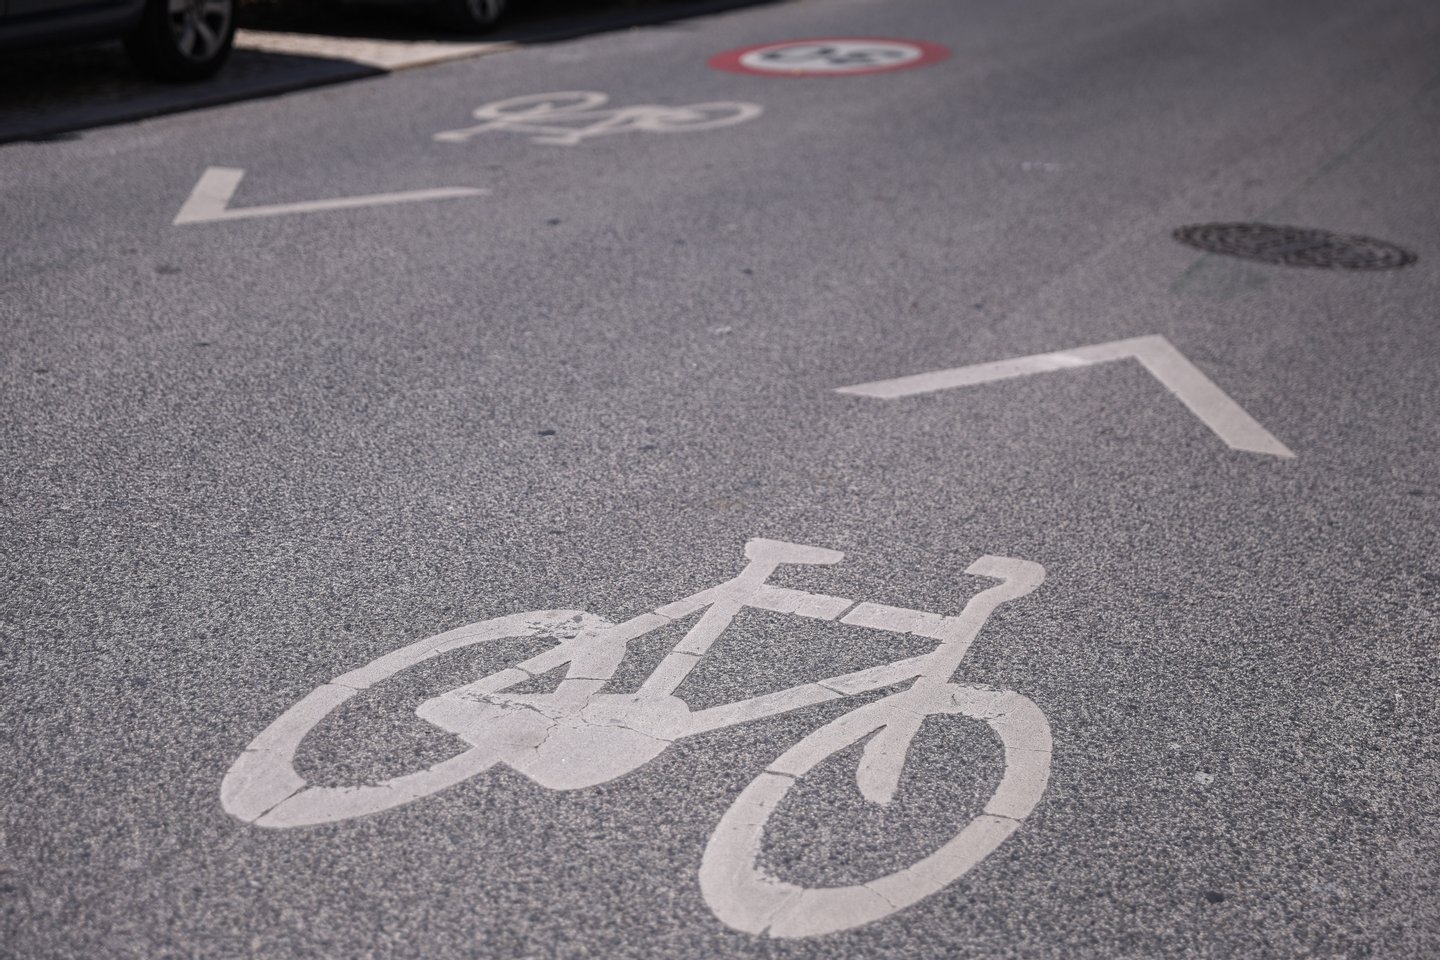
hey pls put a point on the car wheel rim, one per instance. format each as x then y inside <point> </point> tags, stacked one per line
<point>200,26</point>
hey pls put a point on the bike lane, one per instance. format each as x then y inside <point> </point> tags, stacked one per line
<point>472,411</point>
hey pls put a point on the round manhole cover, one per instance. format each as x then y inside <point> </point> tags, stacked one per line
<point>1295,246</point>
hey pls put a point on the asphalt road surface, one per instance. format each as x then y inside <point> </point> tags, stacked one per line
<point>253,451</point>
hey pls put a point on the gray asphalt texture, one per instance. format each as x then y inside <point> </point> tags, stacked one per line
<point>241,458</point>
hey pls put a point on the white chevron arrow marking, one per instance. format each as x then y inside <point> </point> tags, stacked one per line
<point>210,200</point>
<point>1181,377</point>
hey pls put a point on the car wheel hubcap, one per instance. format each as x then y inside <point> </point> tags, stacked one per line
<point>199,27</point>
<point>485,11</point>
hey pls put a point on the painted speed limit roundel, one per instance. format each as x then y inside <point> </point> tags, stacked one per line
<point>830,57</point>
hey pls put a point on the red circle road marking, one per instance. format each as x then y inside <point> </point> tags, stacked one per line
<point>829,57</point>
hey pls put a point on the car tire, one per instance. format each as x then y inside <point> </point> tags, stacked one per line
<point>183,40</point>
<point>470,16</point>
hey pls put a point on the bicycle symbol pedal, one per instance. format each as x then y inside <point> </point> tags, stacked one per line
<point>578,736</point>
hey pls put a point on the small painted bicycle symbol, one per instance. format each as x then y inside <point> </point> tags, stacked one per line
<point>830,56</point>
<point>569,117</point>
<point>838,55</point>
<point>577,736</point>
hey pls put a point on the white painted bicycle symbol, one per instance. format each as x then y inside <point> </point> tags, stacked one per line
<point>577,736</point>
<point>830,57</point>
<point>836,55</point>
<point>569,117</point>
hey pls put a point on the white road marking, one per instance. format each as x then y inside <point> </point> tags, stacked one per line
<point>1212,405</point>
<point>577,736</point>
<point>568,117</point>
<point>210,200</point>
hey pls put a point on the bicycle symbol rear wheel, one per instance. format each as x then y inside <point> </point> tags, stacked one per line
<point>745,898</point>
<point>263,787</point>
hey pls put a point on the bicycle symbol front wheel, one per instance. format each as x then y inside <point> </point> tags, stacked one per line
<point>696,116</point>
<point>746,898</point>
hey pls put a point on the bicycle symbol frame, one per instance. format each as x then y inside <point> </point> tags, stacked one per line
<point>577,736</point>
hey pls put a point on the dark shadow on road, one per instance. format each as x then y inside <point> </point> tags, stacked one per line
<point>52,94</point>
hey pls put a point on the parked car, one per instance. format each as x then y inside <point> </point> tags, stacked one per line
<point>166,39</point>
<point>461,16</point>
